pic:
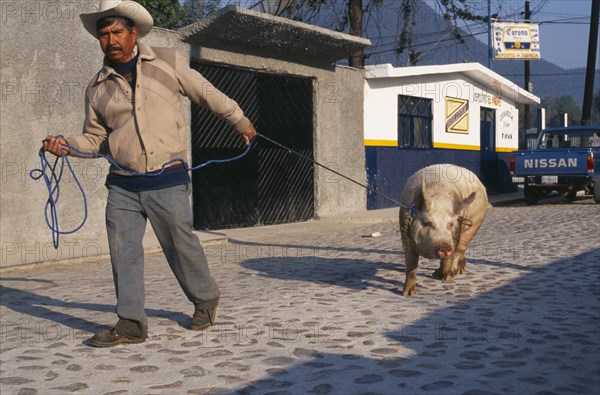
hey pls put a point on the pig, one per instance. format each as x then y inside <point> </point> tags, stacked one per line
<point>443,207</point>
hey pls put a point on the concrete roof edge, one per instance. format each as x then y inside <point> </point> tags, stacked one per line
<point>524,96</point>
<point>176,31</point>
<point>194,27</point>
<point>474,70</point>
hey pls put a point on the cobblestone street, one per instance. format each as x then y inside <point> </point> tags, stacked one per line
<point>316,308</point>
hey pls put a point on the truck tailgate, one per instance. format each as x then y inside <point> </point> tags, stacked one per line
<point>552,161</point>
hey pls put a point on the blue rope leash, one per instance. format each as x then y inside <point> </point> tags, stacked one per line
<point>48,172</point>
<point>166,165</point>
<point>52,180</point>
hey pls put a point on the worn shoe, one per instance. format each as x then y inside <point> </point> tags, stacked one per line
<point>124,332</point>
<point>203,318</point>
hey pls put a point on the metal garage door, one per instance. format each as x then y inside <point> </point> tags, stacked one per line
<point>270,185</point>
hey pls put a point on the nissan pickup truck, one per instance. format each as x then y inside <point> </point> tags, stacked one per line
<point>566,160</point>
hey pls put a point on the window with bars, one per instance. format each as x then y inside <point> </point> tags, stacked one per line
<point>414,122</point>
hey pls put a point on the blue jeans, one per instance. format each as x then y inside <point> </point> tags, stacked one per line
<point>169,212</point>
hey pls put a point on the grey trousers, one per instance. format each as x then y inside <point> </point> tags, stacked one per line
<point>170,214</point>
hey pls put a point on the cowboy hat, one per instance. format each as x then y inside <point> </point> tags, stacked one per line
<point>124,8</point>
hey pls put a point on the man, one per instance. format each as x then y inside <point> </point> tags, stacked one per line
<point>133,115</point>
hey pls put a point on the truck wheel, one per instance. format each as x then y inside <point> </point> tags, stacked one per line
<point>597,192</point>
<point>531,196</point>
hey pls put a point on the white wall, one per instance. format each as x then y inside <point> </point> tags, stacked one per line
<point>381,123</point>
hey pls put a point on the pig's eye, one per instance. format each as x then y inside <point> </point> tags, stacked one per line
<point>450,225</point>
<point>428,224</point>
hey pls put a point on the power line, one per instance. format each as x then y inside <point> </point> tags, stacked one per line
<point>564,21</point>
<point>548,74</point>
<point>427,43</point>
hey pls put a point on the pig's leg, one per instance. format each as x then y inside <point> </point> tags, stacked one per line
<point>411,259</point>
<point>449,268</point>
<point>455,264</point>
<point>468,230</point>
<point>462,264</point>
<point>445,266</point>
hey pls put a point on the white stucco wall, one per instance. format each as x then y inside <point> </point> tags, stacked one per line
<point>381,108</point>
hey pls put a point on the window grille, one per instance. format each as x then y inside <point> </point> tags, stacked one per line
<point>414,122</point>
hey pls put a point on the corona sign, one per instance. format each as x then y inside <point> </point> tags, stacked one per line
<point>516,41</point>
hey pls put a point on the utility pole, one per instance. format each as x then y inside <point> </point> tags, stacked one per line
<point>527,73</point>
<point>489,10</point>
<point>588,94</point>
<point>355,13</point>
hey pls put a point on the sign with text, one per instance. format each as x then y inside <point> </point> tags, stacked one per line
<point>516,40</point>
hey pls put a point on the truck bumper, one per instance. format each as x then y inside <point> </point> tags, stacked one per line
<point>551,181</point>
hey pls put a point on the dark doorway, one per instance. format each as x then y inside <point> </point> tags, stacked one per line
<point>270,185</point>
<point>487,146</point>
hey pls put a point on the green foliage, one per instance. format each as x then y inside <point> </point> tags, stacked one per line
<point>170,14</point>
<point>596,109</point>
<point>166,13</point>
<point>557,106</point>
<point>194,10</point>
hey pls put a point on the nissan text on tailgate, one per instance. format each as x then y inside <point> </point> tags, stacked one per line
<point>566,160</point>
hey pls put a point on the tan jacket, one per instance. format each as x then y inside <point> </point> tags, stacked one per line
<point>143,129</point>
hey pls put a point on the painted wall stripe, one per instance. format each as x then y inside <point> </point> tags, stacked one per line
<point>501,149</point>
<point>394,143</point>
<point>381,143</point>
<point>456,146</point>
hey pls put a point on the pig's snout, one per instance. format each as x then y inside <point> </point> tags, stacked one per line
<point>444,252</point>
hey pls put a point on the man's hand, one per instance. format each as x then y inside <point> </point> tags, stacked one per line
<point>249,134</point>
<point>56,145</point>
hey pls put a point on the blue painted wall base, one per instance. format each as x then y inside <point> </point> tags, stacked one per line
<point>388,168</point>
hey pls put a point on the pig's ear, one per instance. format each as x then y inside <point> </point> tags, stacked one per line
<point>421,198</point>
<point>460,205</point>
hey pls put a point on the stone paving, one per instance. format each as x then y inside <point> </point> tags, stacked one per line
<point>315,308</point>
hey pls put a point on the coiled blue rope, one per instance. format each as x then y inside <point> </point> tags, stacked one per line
<point>52,180</point>
<point>48,172</point>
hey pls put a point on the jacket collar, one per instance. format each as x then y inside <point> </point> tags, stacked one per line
<point>145,53</point>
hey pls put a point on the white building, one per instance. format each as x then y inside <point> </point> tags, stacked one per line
<point>463,114</point>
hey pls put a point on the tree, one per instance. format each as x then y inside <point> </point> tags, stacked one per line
<point>567,104</point>
<point>556,107</point>
<point>170,14</point>
<point>596,109</point>
<point>353,15</point>
<point>166,13</point>
<point>533,121</point>
<point>194,10</point>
